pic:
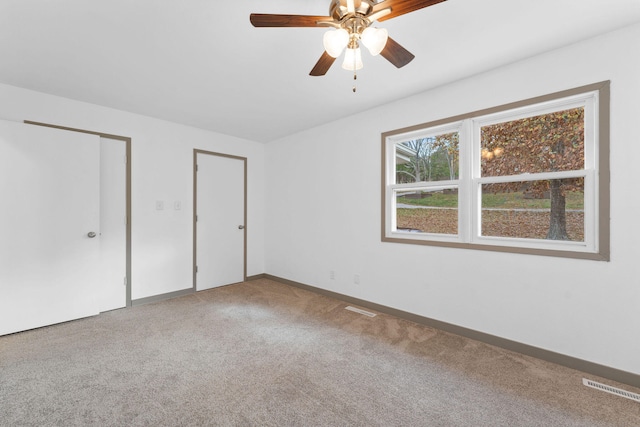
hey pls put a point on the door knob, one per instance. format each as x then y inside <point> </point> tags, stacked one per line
<point>241,227</point>
<point>91,234</point>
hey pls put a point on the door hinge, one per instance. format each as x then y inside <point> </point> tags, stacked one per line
<point>125,280</point>
<point>196,268</point>
<point>196,218</point>
<point>125,159</point>
<point>196,168</point>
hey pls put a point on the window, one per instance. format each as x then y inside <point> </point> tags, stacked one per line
<point>529,177</point>
<point>426,175</point>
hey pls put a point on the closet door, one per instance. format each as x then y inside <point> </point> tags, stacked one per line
<point>49,226</point>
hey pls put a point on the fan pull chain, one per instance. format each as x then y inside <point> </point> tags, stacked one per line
<point>355,73</point>
<point>355,77</point>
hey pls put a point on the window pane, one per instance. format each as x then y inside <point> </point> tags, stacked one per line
<point>427,211</point>
<point>433,158</point>
<point>544,143</point>
<point>549,209</point>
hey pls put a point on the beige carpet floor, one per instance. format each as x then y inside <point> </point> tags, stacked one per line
<point>263,353</point>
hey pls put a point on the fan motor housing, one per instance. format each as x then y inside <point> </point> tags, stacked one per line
<point>338,8</point>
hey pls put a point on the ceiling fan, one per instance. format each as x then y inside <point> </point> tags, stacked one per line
<point>351,22</point>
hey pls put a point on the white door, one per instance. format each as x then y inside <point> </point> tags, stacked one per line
<point>49,187</point>
<point>220,227</point>
<point>113,224</point>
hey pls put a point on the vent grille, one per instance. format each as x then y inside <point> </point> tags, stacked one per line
<point>358,310</point>
<point>612,390</point>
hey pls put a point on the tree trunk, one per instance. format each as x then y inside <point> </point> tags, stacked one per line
<point>558,219</point>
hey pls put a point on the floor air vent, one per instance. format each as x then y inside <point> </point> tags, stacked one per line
<point>358,310</point>
<point>612,390</point>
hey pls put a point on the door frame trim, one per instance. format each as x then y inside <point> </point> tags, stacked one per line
<point>197,151</point>
<point>127,141</point>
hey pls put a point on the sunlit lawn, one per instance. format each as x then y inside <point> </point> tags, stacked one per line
<point>514,200</point>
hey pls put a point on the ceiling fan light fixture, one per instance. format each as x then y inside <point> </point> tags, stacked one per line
<point>335,41</point>
<point>374,39</point>
<point>352,59</point>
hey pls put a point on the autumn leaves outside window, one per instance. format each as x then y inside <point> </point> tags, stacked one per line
<point>537,208</point>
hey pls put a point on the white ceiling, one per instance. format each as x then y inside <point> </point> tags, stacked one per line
<point>201,63</point>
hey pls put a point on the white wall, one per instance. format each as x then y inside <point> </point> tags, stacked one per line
<point>162,169</point>
<point>323,213</point>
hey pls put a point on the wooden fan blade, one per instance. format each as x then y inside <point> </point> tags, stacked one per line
<point>396,54</point>
<point>322,66</point>
<point>400,7</point>
<point>269,20</point>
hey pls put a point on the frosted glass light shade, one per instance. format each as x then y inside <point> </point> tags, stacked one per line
<point>374,39</point>
<point>335,41</point>
<point>352,59</point>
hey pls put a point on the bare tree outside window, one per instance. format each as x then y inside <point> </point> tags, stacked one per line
<point>433,158</point>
